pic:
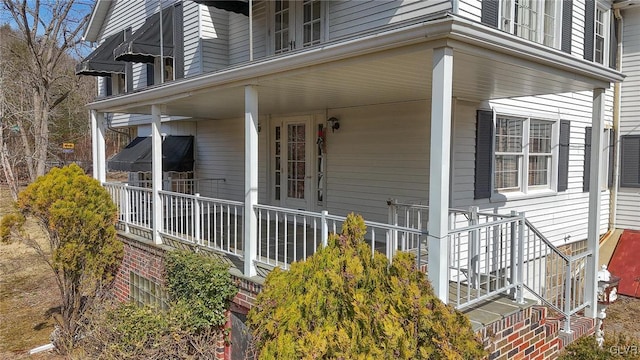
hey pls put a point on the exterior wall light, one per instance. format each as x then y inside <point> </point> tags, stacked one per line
<point>334,123</point>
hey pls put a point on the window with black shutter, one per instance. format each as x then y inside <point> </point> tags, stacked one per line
<point>563,155</point>
<point>630,161</point>
<point>586,179</point>
<point>484,154</point>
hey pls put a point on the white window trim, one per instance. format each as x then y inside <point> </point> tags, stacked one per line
<point>557,33</point>
<point>526,192</point>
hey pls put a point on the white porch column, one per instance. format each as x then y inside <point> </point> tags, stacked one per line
<point>98,146</point>
<point>595,184</point>
<point>156,172</point>
<point>441,94</point>
<point>250,178</point>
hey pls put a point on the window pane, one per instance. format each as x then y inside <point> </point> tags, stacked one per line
<point>307,12</point>
<point>316,10</point>
<point>599,36</point>
<point>549,22</point>
<point>539,170</point>
<point>507,169</point>
<point>540,137</point>
<point>508,135</point>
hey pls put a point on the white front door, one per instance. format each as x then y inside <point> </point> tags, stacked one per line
<point>292,155</point>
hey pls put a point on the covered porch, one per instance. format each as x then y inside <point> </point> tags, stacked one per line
<point>438,62</point>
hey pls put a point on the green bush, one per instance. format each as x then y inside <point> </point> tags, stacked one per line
<point>200,291</point>
<point>201,286</point>
<point>78,218</point>
<point>345,303</point>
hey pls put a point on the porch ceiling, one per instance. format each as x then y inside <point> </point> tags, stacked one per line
<point>496,65</point>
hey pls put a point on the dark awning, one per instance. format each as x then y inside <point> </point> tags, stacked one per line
<point>177,155</point>
<point>236,6</point>
<point>144,44</point>
<point>100,62</point>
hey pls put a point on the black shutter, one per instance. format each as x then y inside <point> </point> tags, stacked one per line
<point>567,21</point>
<point>128,68</point>
<point>150,74</point>
<point>178,42</point>
<point>489,12</point>
<point>613,42</point>
<point>630,161</point>
<point>612,154</point>
<point>590,9</point>
<point>484,153</point>
<point>108,86</point>
<point>586,180</point>
<point>563,155</point>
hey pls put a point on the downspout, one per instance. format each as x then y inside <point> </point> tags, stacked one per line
<point>455,7</point>
<point>613,203</point>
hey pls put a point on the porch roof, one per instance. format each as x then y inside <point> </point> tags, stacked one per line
<point>389,66</point>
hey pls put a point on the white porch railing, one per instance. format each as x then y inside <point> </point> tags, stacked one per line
<point>134,204</point>
<point>555,278</point>
<point>212,223</point>
<point>491,253</point>
<point>288,235</point>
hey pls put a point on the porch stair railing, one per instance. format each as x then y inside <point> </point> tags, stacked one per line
<point>491,254</point>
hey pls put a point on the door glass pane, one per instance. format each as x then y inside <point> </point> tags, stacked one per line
<point>296,164</point>
<point>278,164</point>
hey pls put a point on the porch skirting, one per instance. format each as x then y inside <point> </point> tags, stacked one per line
<point>528,333</point>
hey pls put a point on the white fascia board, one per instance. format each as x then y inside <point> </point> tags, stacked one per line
<point>495,40</point>
<point>98,15</point>
<point>451,31</point>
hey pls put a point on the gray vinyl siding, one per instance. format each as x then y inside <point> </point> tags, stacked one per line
<point>171,127</point>
<point>214,35</point>
<point>470,9</point>
<point>351,17</point>
<point>220,154</point>
<point>379,152</point>
<point>628,210</point>
<point>191,23</point>
<point>239,34</point>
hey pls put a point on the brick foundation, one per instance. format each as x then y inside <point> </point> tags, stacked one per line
<point>531,334</point>
<point>527,334</point>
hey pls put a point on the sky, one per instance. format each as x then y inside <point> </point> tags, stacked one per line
<point>79,9</point>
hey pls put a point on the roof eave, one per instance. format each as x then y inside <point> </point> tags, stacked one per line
<point>450,30</point>
<point>98,15</point>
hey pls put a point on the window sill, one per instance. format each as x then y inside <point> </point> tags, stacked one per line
<point>518,195</point>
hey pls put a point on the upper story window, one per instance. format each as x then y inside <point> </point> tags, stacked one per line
<point>296,24</point>
<point>533,20</point>
<point>600,35</point>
